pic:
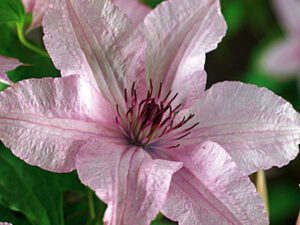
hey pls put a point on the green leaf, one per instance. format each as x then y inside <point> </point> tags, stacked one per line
<point>37,66</point>
<point>29,190</point>
<point>11,11</point>
<point>284,200</point>
<point>14,218</point>
<point>152,3</point>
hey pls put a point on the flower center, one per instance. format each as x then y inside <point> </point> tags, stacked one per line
<point>151,122</point>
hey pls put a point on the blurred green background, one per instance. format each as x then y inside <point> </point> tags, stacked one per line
<point>29,195</point>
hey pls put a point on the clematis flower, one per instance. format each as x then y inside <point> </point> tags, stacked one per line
<point>38,9</point>
<point>7,64</point>
<point>132,8</point>
<point>283,58</point>
<point>132,115</point>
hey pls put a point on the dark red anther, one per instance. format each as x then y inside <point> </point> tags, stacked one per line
<point>159,90</point>
<point>182,136</point>
<point>174,146</point>
<point>117,107</point>
<point>132,90</point>
<point>169,103</point>
<point>167,96</point>
<point>177,107</point>
<point>125,96</point>
<point>191,127</point>
<point>151,118</point>
<point>151,87</point>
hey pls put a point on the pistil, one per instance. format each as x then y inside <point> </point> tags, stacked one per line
<point>150,122</point>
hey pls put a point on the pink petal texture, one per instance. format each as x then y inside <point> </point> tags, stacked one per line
<point>45,121</point>
<point>134,9</point>
<point>38,9</point>
<point>289,13</point>
<point>94,39</point>
<point>126,178</point>
<point>256,127</point>
<point>5,223</point>
<point>7,64</point>
<point>210,189</point>
<point>283,58</point>
<point>178,36</point>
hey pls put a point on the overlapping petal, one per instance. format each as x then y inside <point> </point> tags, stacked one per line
<point>45,121</point>
<point>94,39</point>
<point>257,128</point>
<point>210,189</point>
<point>134,9</point>
<point>125,177</point>
<point>283,58</point>
<point>38,9</point>
<point>7,64</point>
<point>178,36</point>
<point>289,13</point>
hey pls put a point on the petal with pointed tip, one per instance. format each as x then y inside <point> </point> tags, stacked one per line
<point>134,9</point>
<point>258,128</point>
<point>283,58</point>
<point>95,40</point>
<point>125,177</point>
<point>7,64</point>
<point>210,189</point>
<point>178,36</point>
<point>38,9</point>
<point>45,121</point>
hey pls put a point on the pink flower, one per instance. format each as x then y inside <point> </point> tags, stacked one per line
<point>137,123</point>
<point>7,64</point>
<point>5,223</point>
<point>133,8</point>
<point>283,58</point>
<point>38,9</point>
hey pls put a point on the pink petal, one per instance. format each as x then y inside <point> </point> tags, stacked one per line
<point>283,58</point>
<point>178,36</point>
<point>7,64</point>
<point>5,223</point>
<point>94,39</point>
<point>289,14</point>
<point>134,9</point>
<point>45,121</point>
<point>126,178</point>
<point>38,9</point>
<point>257,128</point>
<point>211,189</point>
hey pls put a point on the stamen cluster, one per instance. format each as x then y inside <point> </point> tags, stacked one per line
<point>152,122</point>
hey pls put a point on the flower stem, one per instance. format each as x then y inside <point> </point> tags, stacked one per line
<point>28,44</point>
<point>91,204</point>
<point>100,212</point>
<point>261,186</point>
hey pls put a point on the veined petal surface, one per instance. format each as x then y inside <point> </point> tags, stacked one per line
<point>45,121</point>
<point>96,40</point>
<point>210,189</point>
<point>38,9</point>
<point>134,9</point>
<point>289,13</point>
<point>283,58</point>
<point>126,178</point>
<point>257,128</point>
<point>178,36</point>
<point>7,64</point>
